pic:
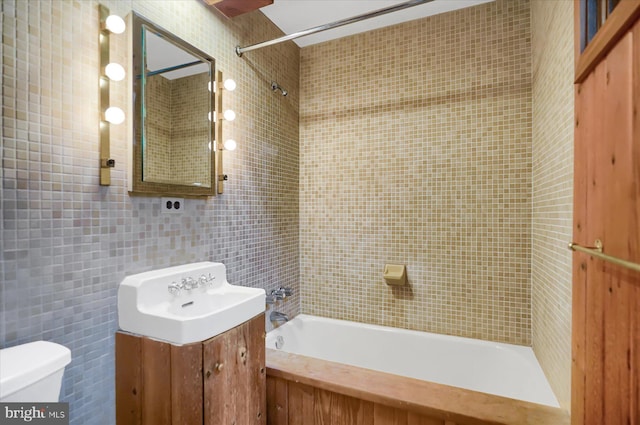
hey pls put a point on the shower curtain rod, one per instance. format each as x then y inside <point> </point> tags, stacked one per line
<point>325,27</point>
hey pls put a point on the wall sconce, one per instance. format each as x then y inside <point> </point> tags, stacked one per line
<point>110,71</point>
<point>227,115</point>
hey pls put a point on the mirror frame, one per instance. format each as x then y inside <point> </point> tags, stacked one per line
<point>137,185</point>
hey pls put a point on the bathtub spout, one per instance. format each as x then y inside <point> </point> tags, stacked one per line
<point>276,316</point>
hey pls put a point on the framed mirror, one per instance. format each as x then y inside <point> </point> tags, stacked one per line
<point>173,152</point>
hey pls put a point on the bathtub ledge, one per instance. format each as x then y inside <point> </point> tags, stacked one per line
<point>426,398</point>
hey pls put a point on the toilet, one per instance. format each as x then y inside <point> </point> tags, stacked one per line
<point>32,372</point>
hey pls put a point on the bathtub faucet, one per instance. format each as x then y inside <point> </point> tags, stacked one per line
<point>278,295</point>
<point>276,316</point>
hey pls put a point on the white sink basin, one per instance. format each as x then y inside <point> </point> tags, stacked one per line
<point>147,307</point>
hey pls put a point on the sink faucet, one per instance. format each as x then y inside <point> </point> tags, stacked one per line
<point>276,316</point>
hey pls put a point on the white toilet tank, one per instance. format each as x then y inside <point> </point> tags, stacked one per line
<point>32,372</point>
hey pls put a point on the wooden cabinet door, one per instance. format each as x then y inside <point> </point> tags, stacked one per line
<point>157,383</point>
<point>606,296</point>
<point>235,376</point>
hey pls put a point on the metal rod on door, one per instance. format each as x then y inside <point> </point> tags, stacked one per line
<point>597,252</point>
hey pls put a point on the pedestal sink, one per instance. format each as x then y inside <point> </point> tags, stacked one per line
<point>185,304</point>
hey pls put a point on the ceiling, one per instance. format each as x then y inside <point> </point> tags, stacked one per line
<point>296,15</point>
<point>162,54</point>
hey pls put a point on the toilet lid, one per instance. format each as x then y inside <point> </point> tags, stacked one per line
<point>22,365</point>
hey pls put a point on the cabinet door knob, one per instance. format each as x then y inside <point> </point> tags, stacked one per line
<point>218,367</point>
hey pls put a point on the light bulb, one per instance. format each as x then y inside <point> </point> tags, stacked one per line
<point>229,115</point>
<point>114,71</point>
<point>230,144</point>
<point>229,84</point>
<point>115,24</point>
<point>114,115</point>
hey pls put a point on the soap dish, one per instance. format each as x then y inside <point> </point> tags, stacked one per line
<point>395,274</point>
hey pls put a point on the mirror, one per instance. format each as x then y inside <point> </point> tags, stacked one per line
<point>172,128</point>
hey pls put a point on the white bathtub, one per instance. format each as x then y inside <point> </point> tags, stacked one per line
<point>501,369</point>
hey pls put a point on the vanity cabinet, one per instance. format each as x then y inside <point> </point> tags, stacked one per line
<point>218,381</point>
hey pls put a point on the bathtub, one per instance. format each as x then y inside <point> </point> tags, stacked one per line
<point>499,369</point>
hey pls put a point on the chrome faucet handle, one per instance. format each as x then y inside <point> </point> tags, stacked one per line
<point>202,281</point>
<point>189,283</point>
<point>174,288</point>
<point>286,291</point>
<point>211,279</point>
<point>277,295</point>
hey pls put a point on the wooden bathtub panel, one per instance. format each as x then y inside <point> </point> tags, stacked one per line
<point>277,401</point>
<point>301,404</point>
<point>424,403</point>
<point>415,419</point>
<point>384,415</point>
<point>292,403</point>
<point>349,410</point>
<point>321,407</point>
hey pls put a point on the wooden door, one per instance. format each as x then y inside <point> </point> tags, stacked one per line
<point>221,381</point>
<point>606,296</point>
<point>157,383</point>
<point>235,376</point>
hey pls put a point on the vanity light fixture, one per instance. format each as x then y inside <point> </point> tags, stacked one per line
<point>228,115</point>
<point>228,85</point>
<point>114,71</point>
<point>230,145</point>
<point>114,115</point>
<point>114,24</point>
<point>111,71</point>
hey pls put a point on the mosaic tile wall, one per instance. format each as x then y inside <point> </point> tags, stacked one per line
<point>415,148</point>
<point>177,130</point>
<point>552,175</point>
<point>67,242</point>
<point>190,129</point>
<point>157,162</point>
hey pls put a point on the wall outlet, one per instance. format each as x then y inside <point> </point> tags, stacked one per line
<point>172,205</point>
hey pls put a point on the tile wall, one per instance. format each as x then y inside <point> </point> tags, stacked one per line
<point>552,180</point>
<point>190,129</point>
<point>157,162</point>
<point>67,242</point>
<point>177,130</point>
<point>415,148</point>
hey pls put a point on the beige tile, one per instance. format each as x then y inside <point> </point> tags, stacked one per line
<point>415,148</point>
